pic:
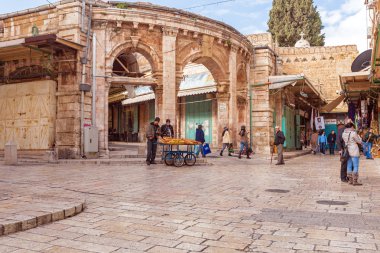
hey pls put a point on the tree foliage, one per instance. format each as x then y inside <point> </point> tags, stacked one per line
<point>289,18</point>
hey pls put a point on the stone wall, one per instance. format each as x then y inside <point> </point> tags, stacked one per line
<point>322,65</point>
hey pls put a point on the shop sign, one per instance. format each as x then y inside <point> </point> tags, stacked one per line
<point>319,123</point>
<point>222,107</point>
<point>330,121</point>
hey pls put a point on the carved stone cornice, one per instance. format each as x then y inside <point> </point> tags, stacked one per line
<point>170,31</point>
<point>99,24</point>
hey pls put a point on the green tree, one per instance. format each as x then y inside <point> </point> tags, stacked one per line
<point>289,18</point>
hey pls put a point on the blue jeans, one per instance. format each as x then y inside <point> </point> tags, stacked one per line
<point>353,165</point>
<point>322,148</point>
<point>243,145</point>
<point>198,149</point>
<point>367,148</point>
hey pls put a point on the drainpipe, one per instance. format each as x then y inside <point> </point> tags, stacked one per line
<point>94,80</point>
<point>83,14</point>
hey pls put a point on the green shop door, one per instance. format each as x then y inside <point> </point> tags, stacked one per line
<point>198,113</point>
<point>288,127</point>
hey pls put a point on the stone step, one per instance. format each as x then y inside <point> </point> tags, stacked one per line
<point>117,162</point>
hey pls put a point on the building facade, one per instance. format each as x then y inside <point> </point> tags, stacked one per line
<point>133,57</point>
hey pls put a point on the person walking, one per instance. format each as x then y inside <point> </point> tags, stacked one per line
<point>314,142</point>
<point>343,161</point>
<point>226,141</point>
<point>352,139</point>
<point>152,133</point>
<point>200,137</point>
<point>322,141</point>
<point>279,140</point>
<point>369,138</point>
<point>331,139</point>
<point>167,130</point>
<point>243,142</point>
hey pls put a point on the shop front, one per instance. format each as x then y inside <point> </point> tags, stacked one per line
<point>362,98</point>
<point>295,101</point>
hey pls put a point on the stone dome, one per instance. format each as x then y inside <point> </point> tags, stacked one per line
<point>302,43</point>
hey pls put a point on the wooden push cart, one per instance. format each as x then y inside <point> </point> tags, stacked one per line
<point>178,152</point>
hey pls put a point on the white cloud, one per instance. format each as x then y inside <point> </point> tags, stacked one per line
<point>346,25</point>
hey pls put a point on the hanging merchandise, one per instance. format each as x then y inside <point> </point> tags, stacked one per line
<point>312,119</point>
<point>363,107</point>
<point>351,111</point>
<point>319,123</point>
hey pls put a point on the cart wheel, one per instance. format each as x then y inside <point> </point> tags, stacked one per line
<point>179,161</point>
<point>169,159</point>
<point>190,160</point>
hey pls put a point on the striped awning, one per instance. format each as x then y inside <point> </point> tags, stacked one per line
<point>197,91</point>
<point>139,99</point>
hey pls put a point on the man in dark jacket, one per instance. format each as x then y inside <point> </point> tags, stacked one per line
<point>200,137</point>
<point>279,141</point>
<point>152,133</point>
<point>343,162</point>
<point>331,139</point>
<point>167,130</point>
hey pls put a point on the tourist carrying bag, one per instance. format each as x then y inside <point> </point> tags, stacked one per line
<point>206,149</point>
<point>345,155</point>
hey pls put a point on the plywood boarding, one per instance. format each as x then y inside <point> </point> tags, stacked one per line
<point>28,114</point>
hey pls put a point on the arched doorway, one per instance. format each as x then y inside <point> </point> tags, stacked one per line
<point>197,101</point>
<point>127,120</point>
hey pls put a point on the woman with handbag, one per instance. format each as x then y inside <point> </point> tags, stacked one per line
<point>351,140</point>
<point>226,141</point>
<point>244,142</point>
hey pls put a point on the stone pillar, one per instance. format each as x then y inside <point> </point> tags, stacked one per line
<point>262,120</point>
<point>262,112</point>
<point>10,153</point>
<point>169,95</point>
<point>233,115</point>
<point>102,89</point>
<point>223,99</point>
<point>158,91</point>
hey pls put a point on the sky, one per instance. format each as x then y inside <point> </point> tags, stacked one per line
<point>345,21</point>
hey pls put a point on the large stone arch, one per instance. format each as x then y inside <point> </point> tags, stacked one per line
<point>154,58</point>
<point>211,63</point>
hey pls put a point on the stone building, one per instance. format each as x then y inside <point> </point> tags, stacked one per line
<point>57,39</point>
<point>140,53</point>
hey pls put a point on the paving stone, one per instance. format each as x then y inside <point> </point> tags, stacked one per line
<point>162,249</point>
<point>191,246</point>
<point>217,208</point>
<point>80,245</point>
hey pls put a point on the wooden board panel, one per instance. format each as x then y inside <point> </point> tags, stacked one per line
<point>28,114</point>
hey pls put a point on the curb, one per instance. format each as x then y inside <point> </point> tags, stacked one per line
<point>12,226</point>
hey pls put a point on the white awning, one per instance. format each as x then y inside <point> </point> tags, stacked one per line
<point>197,91</point>
<point>278,82</point>
<point>139,99</point>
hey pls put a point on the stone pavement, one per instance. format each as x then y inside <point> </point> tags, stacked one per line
<point>232,206</point>
<point>24,207</point>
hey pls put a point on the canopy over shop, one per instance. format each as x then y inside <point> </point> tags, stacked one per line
<point>295,100</point>
<point>362,98</point>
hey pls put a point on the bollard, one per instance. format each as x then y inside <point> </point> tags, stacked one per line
<point>10,153</point>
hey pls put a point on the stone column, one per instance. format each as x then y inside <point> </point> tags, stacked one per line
<point>233,115</point>
<point>102,90</point>
<point>169,96</point>
<point>262,120</point>
<point>223,99</point>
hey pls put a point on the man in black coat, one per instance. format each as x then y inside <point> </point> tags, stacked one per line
<point>343,162</point>
<point>167,130</point>
<point>279,140</point>
<point>331,139</point>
